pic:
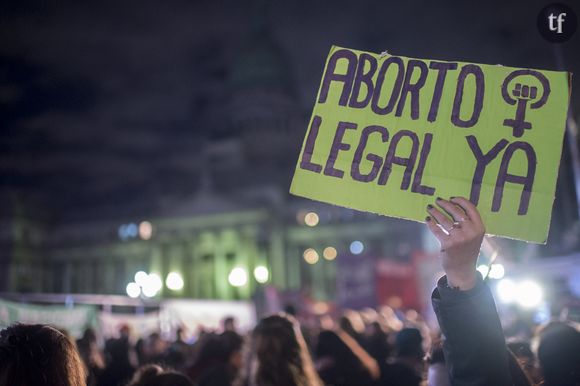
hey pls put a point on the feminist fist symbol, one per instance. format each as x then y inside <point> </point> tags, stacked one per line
<point>522,94</point>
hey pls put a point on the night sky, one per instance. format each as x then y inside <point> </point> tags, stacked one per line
<point>111,103</point>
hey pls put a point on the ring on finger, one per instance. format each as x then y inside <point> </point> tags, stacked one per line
<point>455,225</point>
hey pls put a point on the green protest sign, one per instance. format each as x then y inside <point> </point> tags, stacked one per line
<point>389,134</point>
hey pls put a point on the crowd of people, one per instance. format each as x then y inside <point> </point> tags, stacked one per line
<point>368,348</point>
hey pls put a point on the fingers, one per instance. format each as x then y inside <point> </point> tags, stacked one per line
<point>441,218</point>
<point>436,230</point>
<point>465,221</point>
<point>452,209</point>
<point>469,209</point>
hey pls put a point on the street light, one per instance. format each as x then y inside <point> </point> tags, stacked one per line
<point>261,274</point>
<point>238,277</point>
<point>133,290</point>
<point>145,284</point>
<point>174,281</point>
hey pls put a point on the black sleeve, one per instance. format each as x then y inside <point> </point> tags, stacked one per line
<point>474,346</point>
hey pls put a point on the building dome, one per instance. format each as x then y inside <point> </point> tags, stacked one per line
<point>260,64</point>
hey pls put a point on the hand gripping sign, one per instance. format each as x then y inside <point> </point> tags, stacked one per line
<point>388,134</point>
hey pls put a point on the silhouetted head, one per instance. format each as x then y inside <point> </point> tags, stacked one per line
<point>409,343</point>
<point>90,335</point>
<point>290,309</point>
<point>352,323</point>
<point>154,375</point>
<point>211,349</point>
<point>38,355</point>
<point>338,364</point>
<point>330,345</point>
<point>229,323</point>
<point>232,344</point>
<point>278,356</point>
<point>559,355</point>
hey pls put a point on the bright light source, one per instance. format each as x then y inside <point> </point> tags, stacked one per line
<point>141,278</point>
<point>261,274</point>
<point>329,253</point>
<point>506,291</point>
<point>152,285</point>
<point>238,277</point>
<point>542,314</point>
<point>483,269</point>
<point>174,281</point>
<point>311,219</point>
<point>145,230</point>
<point>155,281</point>
<point>529,294</point>
<point>149,291</point>
<point>310,256</point>
<point>497,271</point>
<point>356,247</point>
<point>133,290</point>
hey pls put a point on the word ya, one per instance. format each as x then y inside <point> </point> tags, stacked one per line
<point>416,161</point>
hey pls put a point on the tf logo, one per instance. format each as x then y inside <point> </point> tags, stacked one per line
<point>557,23</point>
<point>520,89</point>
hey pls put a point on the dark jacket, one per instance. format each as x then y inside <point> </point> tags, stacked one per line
<point>474,346</point>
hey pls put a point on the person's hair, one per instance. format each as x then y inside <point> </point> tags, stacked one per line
<point>231,342</point>
<point>155,375</point>
<point>39,355</point>
<point>559,355</point>
<point>409,343</point>
<point>277,355</point>
<point>345,367</point>
<point>210,349</point>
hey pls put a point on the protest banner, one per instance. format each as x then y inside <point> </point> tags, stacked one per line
<point>389,134</point>
<point>74,320</point>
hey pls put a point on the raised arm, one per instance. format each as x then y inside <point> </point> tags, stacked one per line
<point>474,345</point>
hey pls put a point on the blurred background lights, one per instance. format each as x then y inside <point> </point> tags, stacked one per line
<point>145,230</point>
<point>174,281</point>
<point>356,247</point>
<point>542,314</point>
<point>238,277</point>
<point>329,253</point>
<point>311,219</point>
<point>141,278</point>
<point>131,230</point>
<point>497,271</point>
<point>133,290</point>
<point>310,256</point>
<point>155,281</point>
<point>149,291</point>
<point>529,294</point>
<point>261,274</point>
<point>483,269</point>
<point>506,291</point>
<point>128,231</point>
<point>152,285</point>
